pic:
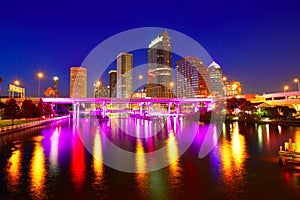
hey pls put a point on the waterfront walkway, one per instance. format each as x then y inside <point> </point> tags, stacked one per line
<point>18,127</point>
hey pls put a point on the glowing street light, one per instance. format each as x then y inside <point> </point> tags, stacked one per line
<point>39,76</point>
<point>297,81</point>
<point>286,87</point>
<point>17,82</point>
<point>224,78</point>
<point>55,79</point>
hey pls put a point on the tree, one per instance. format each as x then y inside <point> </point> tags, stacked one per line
<point>48,110</point>
<point>27,108</point>
<point>2,105</point>
<point>12,110</point>
<point>40,108</point>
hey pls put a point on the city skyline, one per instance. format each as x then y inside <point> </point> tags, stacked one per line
<point>244,40</point>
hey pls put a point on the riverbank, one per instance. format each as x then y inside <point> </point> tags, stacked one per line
<point>18,127</point>
<point>281,122</point>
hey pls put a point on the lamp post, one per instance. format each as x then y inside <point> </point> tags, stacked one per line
<point>55,79</point>
<point>296,80</point>
<point>141,78</point>
<point>286,87</point>
<point>39,76</point>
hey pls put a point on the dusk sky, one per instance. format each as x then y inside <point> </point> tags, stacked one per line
<point>255,42</point>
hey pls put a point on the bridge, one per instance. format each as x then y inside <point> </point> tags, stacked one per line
<point>291,99</point>
<point>141,102</point>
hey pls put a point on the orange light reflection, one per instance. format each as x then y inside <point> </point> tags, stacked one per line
<point>37,170</point>
<point>13,169</point>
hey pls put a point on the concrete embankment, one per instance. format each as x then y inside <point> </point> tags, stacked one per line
<point>10,129</point>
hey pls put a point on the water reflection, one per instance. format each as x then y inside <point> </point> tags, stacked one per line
<point>13,170</point>
<point>98,167</point>
<point>233,155</point>
<point>175,169</point>
<point>78,162</point>
<point>297,139</point>
<point>54,150</point>
<point>37,170</point>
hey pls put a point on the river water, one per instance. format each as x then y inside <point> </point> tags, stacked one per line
<point>65,160</point>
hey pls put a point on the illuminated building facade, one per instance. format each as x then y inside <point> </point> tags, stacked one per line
<point>216,85</point>
<point>113,83</point>
<point>78,82</point>
<point>124,75</point>
<point>159,67</point>
<point>192,78</point>
<point>233,88</point>
<point>101,92</point>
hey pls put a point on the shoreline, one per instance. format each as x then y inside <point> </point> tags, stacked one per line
<point>19,127</point>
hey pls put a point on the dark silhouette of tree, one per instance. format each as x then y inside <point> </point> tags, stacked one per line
<point>27,108</point>
<point>48,110</point>
<point>61,109</point>
<point>2,105</point>
<point>287,112</point>
<point>12,110</point>
<point>40,108</point>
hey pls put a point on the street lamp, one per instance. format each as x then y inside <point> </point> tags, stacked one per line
<point>55,79</point>
<point>17,83</point>
<point>141,78</point>
<point>297,81</point>
<point>284,89</point>
<point>39,76</point>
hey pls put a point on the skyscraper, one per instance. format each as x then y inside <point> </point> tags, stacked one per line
<point>78,82</point>
<point>124,75</point>
<point>159,66</point>
<point>216,79</point>
<point>113,83</point>
<point>192,78</point>
<point>233,88</point>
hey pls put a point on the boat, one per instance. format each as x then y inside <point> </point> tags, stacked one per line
<point>288,157</point>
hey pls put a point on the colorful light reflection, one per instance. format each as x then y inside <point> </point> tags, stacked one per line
<point>37,170</point>
<point>13,170</point>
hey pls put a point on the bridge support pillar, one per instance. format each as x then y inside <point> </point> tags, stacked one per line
<point>149,107</point>
<point>141,108</point>
<point>76,106</point>
<point>104,113</point>
<point>169,108</point>
<point>177,109</point>
<point>195,107</point>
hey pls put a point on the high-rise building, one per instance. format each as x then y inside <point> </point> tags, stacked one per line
<point>159,66</point>
<point>233,88</point>
<point>78,82</point>
<point>124,75</point>
<point>113,83</point>
<point>192,78</point>
<point>101,92</point>
<point>216,80</point>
